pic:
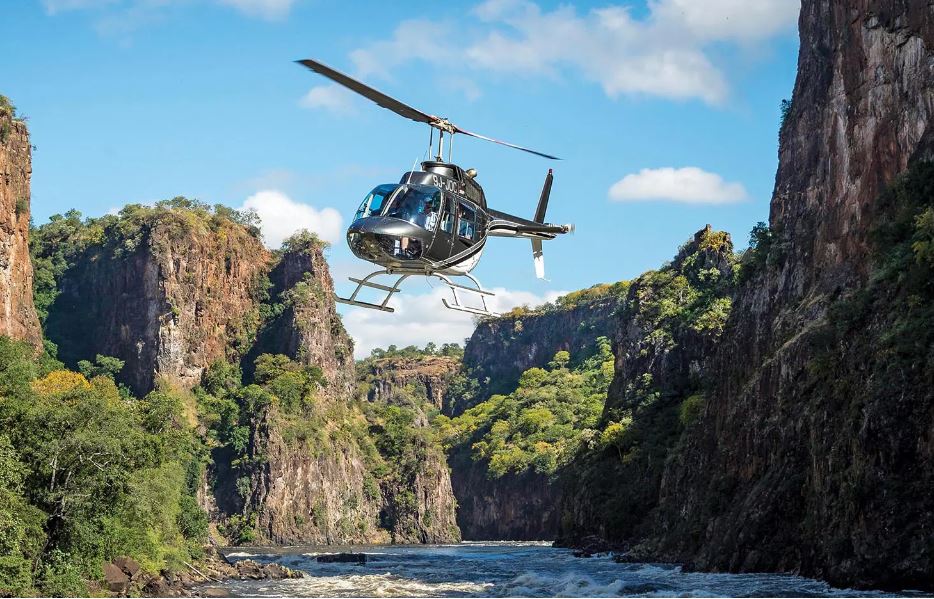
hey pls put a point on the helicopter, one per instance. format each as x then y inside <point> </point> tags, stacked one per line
<point>435,221</point>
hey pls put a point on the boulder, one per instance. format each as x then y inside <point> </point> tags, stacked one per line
<point>276,571</point>
<point>129,566</point>
<point>351,558</point>
<point>249,569</point>
<point>115,579</point>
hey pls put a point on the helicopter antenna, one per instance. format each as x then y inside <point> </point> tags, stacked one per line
<point>402,109</point>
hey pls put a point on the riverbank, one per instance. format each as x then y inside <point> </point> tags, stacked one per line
<point>124,577</point>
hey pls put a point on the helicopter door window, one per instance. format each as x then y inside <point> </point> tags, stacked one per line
<point>447,219</point>
<point>467,222</point>
<point>374,203</point>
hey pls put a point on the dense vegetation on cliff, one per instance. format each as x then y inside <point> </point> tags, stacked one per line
<point>89,472</point>
<point>542,423</point>
<point>55,246</point>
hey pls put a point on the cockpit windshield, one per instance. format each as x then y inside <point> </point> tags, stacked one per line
<point>418,204</point>
<point>375,202</point>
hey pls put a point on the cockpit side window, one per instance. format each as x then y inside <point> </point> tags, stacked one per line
<point>375,202</point>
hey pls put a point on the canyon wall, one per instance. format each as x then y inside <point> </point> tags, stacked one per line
<point>501,349</point>
<point>669,323</point>
<point>428,377</point>
<point>17,313</point>
<point>815,450</point>
<point>167,291</point>
<point>176,289</point>
<point>516,506</point>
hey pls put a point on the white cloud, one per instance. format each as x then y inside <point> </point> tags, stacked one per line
<point>420,318</point>
<point>412,40</point>
<point>623,54</point>
<point>282,216</point>
<point>330,97</point>
<point>689,185</point>
<point>664,53</point>
<point>738,20</point>
<point>264,9</point>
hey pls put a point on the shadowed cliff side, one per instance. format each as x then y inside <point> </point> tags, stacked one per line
<point>813,452</point>
<point>17,313</point>
<point>668,325</point>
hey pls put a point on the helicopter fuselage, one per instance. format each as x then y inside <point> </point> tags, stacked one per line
<point>433,220</point>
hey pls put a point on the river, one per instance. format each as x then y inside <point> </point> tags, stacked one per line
<point>503,569</point>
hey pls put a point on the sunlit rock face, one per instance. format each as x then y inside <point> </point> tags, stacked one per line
<point>17,312</point>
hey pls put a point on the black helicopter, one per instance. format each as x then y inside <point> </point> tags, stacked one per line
<point>435,221</point>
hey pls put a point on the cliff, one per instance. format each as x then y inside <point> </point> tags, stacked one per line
<point>402,393</point>
<point>523,507</point>
<point>522,501</point>
<point>813,452</point>
<point>668,325</point>
<point>501,349</point>
<point>17,312</point>
<point>168,289</point>
<point>428,377</point>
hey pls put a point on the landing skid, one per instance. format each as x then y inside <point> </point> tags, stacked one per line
<point>394,288</point>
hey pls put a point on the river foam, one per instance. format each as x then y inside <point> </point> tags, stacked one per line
<point>508,569</point>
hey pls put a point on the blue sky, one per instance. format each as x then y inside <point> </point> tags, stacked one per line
<point>666,114</point>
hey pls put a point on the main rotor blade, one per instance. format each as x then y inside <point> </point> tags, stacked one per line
<point>368,92</point>
<point>401,108</point>
<point>503,143</point>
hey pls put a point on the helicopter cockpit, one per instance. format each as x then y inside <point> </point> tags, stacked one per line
<point>396,222</point>
<point>417,204</point>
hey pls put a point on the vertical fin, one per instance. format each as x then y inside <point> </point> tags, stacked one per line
<point>543,199</point>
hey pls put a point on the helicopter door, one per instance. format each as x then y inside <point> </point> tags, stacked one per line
<point>444,235</point>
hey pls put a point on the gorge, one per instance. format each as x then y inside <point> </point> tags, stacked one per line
<point>769,410</point>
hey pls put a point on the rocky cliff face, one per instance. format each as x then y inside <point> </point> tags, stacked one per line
<point>427,377</point>
<point>788,470</point>
<point>419,504</point>
<point>329,485</point>
<point>526,506</point>
<point>305,324</point>
<point>310,488</point>
<point>168,291</point>
<point>513,507</point>
<point>667,327</point>
<point>17,312</point>
<point>501,349</point>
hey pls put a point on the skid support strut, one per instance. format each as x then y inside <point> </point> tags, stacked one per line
<point>365,282</point>
<point>394,288</point>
